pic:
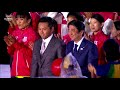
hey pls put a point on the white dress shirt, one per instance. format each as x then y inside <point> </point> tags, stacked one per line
<point>46,41</point>
<point>78,43</point>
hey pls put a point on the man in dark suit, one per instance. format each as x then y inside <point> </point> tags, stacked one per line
<point>83,50</point>
<point>44,55</point>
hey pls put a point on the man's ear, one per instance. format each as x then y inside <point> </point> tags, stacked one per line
<point>52,29</point>
<point>102,24</point>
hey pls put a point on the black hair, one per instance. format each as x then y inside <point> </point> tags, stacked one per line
<point>23,14</point>
<point>78,24</point>
<point>117,25</point>
<point>98,17</point>
<point>51,22</point>
<point>111,49</point>
<point>77,15</point>
<point>55,26</point>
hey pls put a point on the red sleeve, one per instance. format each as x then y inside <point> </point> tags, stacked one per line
<point>66,38</point>
<point>10,50</point>
<point>15,46</point>
<point>11,29</point>
<point>35,18</point>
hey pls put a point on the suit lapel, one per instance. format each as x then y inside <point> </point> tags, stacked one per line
<point>38,49</point>
<point>82,46</point>
<point>48,49</point>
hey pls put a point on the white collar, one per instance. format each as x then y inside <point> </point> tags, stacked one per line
<point>47,40</point>
<point>79,43</point>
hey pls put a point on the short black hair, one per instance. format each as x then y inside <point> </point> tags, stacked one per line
<point>77,15</point>
<point>55,26</point>
<point>78,24</point>
<point>111,49</point>
<point>98,17</point>
<point>117,25</point>
<point>51,22</point>
<point>23,14</point>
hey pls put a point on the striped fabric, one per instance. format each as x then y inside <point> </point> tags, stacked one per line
<point>110,70</point>
<point>114,71</point>
<point>62,24</point>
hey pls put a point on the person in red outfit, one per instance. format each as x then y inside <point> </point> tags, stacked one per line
<point>98,37</point>
<point>12,23</point>
<point>34,20</point>
<point>20,44</point>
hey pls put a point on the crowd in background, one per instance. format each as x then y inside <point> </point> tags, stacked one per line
<point>94,35</point>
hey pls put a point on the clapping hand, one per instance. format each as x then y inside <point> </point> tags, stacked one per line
<point>10,40</point>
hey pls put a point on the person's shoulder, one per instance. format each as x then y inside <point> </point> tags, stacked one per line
<point>90,43</point>
<point>30,29</point>
<point>38,41</point>
<point>70,44</point>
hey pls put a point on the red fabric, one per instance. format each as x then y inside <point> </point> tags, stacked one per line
<point>66,38</point>
<point>22,54</point>
<point>59,28</point>
<point>10,50</point>
<point>106,15</point>
<point>14,13</point>
<point>10,30</point>
<point>35,18</point>
<point>118,17</point>
<point>63,20</point>
<point>99,39</point>
<point>61,25</point>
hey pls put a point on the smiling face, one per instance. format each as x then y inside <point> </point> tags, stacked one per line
<point>74,34</point>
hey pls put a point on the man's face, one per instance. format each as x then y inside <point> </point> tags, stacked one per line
<point>44,30</point>
<point>73,33</point>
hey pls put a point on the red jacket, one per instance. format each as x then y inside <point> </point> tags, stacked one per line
<point>99,40</point>
<point>22,54</point>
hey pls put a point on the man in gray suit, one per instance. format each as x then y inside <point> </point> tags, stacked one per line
<point>44,55</point>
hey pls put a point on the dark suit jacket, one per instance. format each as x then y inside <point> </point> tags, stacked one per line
<point>41,64</point>
<point>87,53</point>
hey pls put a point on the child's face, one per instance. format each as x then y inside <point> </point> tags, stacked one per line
<point>95,25</point>
<point>22,22</point>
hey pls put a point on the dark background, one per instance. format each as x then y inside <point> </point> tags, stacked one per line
<point>4,57</point>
